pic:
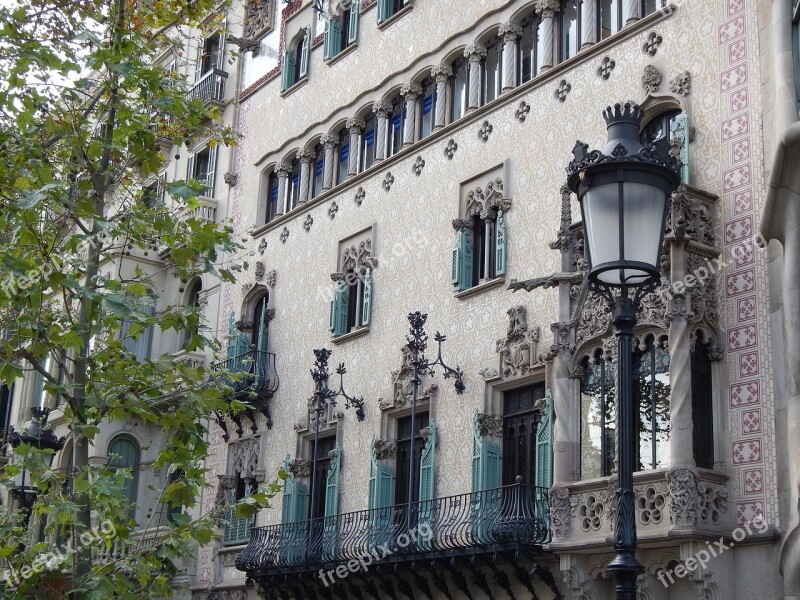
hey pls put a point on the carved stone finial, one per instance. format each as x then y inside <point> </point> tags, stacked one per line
<point>410,91</point>
<point>381,108</point>
<point>355,124</point>
<point>384,449</point>
<point>329,139</point>
<point>509,31</point>
<point>547,6</point>
<point>300,467</point>
<point>442,72</point>
<point>475,52</point>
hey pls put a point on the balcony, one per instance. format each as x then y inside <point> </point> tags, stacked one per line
<point>253,378</point>
<point>470,532</point>
<point>211,88</point>
<point>206,211</point>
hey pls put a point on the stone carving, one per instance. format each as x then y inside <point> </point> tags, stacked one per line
<point>259,270</point>
<point>360,195</point>
<point>244,457</point>
<point>272,278</point>
<point>388,181</point>
<point>450,149</point>
<point>308,223</point>
<point>560,513</point>
<point>227,594</point>
<point>418,165</point>
<point>650,46</point>
<point>522,111</point>
<point>225,483</point>
<point>333,209</point>
<point>651,78</point>
<point>357,258</point>
<point>246,287</point>
<point>650,504</point>
<point>546,5</point>
<point>683,497</point>
<point>258,18</point>
<point>489,373</point>
<point>704,300</point>
<point>691,216</point>
<point>712,502</point>
<point>384,449</point>
<point>562,91</point>
<point>484,203</point>
<point>592,510</point>
<point>681,84</point>
<point>594,319</point>
<point>300,467</point>
<point>489,425</point>
<point>284,235</point>
<point>518,350</point>
<point>231,179</point>
<point>606,67</point>
<point>485,131</point>
<point>262,246</point>
<point>402,386</point>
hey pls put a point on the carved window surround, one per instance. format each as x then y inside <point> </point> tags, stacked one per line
<point>497,282</point>
<point>294,87</point>
<point>355,334</point>
<point>396,16</point>
<point>340,55</point>
<point>670,503</point>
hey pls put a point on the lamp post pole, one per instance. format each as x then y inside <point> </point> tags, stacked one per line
<point>624,194</point>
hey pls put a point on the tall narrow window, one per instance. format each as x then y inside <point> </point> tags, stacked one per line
<point>237,529</point>
<point>192,301</point>
<point>272,196</point>
<point>598,417</point>
<point>6,393</point>
<point>388,8</point>
<point>652,395</point>
<point>396,125</point>
<point>368,143</point>
<point>137,338</point>
<point>459,89</point>
<point>427,107</point>
<point>610,17</point>
<point>293,187</point>
<point>405,437</point>
<point>521,415</point>
<point>492,70</point>
<point>202,167</point>
<point>319,170</point>
<point>344,154</point>
<point>294,66</point>
<point>702,404</point>
<point>341,31</point>
<point>531,49</point>
<point>322,451</point>
<point>351,307</point>
<point>569,23</point>
<point>123,453</point>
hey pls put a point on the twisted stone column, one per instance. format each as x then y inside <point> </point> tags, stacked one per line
<point>442,74</point>
<point>283,170</point>
<point>306,157</point>
<point>410,93</point>
<point>634,13</point>
<point>510,32</point>
<point>547,11</point>
<point>474,53</point>
<point>681,438</point>
<point>381,110</point>
<point>355,126</point>
<point>329,142</point>
<point>589,23</point>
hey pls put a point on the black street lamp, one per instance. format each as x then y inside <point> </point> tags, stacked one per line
<point>37,436</point>
<point>624,192</point>
<point>417,342</point>
<point>324,396</point>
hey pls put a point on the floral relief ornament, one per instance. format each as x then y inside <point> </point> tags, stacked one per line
<point>333,209</point>
<point>284,235</point>
<point>418,165</point>
<point>522,112</point>
<point>308,223</point>
<point>485,131</point>
<point>450,149</point>
<point>651,78</point>
<point>360,195</point>
<point>388,181</point>
<point>681,84</point>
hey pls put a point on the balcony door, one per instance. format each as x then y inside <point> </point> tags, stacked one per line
<point>260,338</point>
<point>521,416</point>
<point>323,450</point>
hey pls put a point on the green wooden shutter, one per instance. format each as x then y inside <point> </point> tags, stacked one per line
<point>287,71</point>
<point>461,267</point>
<point>335,35</point>
<point>262,344</point>
<point>485,484</point>
<point>304,54</point>
<point>332,504</point>
<point>124,454</point>
<point>293,528</point>
<point>366,306</point>
<point>233,337</point>
<point>237,530</point>
<point>221,56</point>
<point>427,484</point>
<point>381,495</point>
<point>544,445</point>
<point>341,300</point>
<point>190,167</point>
<point>355,8</point>
<point>332,321</point>
<point>326,44</point>
<point>198,64</point>
<point>212,169</point>
<point>384,10</point>
<point>500,245</point>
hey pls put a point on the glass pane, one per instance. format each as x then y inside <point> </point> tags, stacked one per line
<point>530,50</point>
<point>609,17</point>
<point>460,90</point>
<point>650,6</point>
<point>569,30</point>
<point>491,71</point>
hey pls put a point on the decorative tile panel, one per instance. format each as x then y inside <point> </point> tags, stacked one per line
<point>735,127</point>
<point>743,394</point>
<point>743,202</point>
<point>746,308</point>
<point>732,29</point>
<point>738,230</point>
<point>739,100</point>
<point>753,482</point>
<point>733,77</point>
<point>750,422</point>
<point>748,451</point>
<point>737,177</point>
<point>739,283</point>
<point>748,364</point>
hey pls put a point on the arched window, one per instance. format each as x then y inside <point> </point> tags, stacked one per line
<point>598,417</point>
<point>341,31</point>
<point>368,142</point>
<point>192,301</point>
<point>123,453</point>
<point>272,196</point>
<point>459,89</point>
<point>260,324</point>
<point>569,22</point>
<point>137,337</point>
<point>611,17</point>
<point>293,185</point>
<point>344,154</point>
<point>670,128</point>
<point>427,107</point>
<point>295,59</point>
<point>651,393</point>
<point>319,170</point>
<point>530,48</point>
<point>396,124</point>
<point>492,70</point>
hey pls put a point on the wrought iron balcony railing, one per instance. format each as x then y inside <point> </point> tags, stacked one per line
<point>210,88</point>
<point>253,370</point>
<point>517,514</point>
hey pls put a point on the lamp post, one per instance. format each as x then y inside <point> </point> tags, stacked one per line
<point>417,343</point>
<point>324,395</point>
<point>624,192</point>
<point>36,435</point>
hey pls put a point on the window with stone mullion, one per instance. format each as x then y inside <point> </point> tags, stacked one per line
<point>492,71</point>
<point>530,49</point>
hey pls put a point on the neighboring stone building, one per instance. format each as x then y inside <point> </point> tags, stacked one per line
<point>409,155</point>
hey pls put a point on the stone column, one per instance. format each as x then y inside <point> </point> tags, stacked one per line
<point>410,93</point>
<point>283,170</point>
<point>329,142</point>
<point>381,110</point>
<point>510,32</point>
<point>306,157</point>
<point>547,11</point>
<point>589,23</point>
<point>634,13</point>
<point>442,74</point>
<point>355,126</point>
<point>681,439</point>
<point>475,53</point>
